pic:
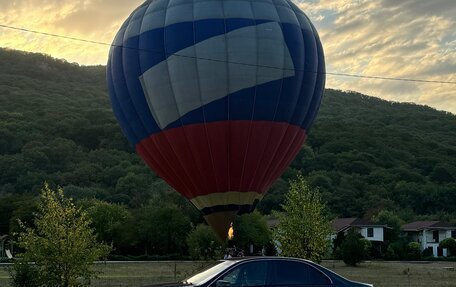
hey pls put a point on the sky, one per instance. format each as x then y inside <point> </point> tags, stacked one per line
<point>413,39</point>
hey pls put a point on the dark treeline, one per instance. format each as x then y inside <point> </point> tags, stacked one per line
<point>56,125</point>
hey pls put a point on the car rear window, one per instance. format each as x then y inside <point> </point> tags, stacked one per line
<point>288,273</point>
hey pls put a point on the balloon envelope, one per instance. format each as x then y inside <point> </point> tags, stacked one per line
<point>217,96</point>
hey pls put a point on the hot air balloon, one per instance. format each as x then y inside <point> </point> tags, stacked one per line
<point>217,96</point>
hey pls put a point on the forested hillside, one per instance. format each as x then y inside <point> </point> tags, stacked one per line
<point>365,154</point>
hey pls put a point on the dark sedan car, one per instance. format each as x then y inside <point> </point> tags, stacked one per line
<point>267,271</point>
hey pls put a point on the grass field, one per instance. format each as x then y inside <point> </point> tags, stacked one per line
<point>398,274</point>
<point>381,274</point>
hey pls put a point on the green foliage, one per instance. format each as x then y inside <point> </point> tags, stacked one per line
<point>427,253</point>
<point>24,274</point>
<point>450,244</point>
<point>303,230</point>
<point>203,244</point>
<point>400,248</point>
<point>251,229</point>
<point>62,244</point>
<point>391,254</point>
<point>112,223</point>
<point>163,228</point>
<point>354,248</point>
<point>392,221</point>
<point>413,251</point>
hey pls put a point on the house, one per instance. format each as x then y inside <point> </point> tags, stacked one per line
<point>6,247</point>
<point>429,234</point>
<point>369,230</point>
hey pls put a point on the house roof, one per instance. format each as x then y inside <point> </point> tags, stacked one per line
<point>340,224</point>
<point>420,225</point>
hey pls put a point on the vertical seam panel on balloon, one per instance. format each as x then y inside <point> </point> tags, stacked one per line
<point>174,97</point>
<point>114,99</point>
<point>286,158</point>
<point>276,108</point>
<point>314,83</point>
<point>270,166</point>
<point>146,147</point>
<point>201,99</point>
<point>254,99</point>
<point>116,95</point>
<point>228,129</point>
<point>128,86</point>
<point>320,75</point>
<point>164,162</point>
<point>290,147</point>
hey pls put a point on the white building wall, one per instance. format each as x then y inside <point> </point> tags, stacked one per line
<point>378,233</point>
<point>444,234</point>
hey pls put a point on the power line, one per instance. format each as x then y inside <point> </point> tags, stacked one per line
<point>390,78</point>
<point>54,35</point>
<point>223,61</point>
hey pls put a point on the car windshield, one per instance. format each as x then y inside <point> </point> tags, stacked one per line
<point>209,273</point>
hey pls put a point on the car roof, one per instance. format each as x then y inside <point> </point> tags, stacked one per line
<point>253,258</point>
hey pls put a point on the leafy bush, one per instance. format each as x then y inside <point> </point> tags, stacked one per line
<point>413,251</point>
<point>24,274</point>
<point>203,244</point>
<point>354,248</point>
<point>400,248</point>
<point>450,244</point>
<point>391,254</point>
<point>427,253</point>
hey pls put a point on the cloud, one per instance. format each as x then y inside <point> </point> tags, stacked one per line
<point>403,39</point>
<point>96,20</point>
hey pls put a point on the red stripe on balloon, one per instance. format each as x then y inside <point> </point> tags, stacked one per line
<point>222,156</point>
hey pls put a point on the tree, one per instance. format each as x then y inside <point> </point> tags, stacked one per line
<point>162,228</point>
<point>251,229</point>
<point>393,221</point>
<point>303,230</point>
<point>62,244</point>
<point>354,248</point>
<point>413,251</point>
<point>112,224</point>
<point>203,244</point>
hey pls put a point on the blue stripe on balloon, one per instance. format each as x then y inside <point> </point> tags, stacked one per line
<point>241,105</point>
<point>179,36</point>
<point>235,24</point>
<point>152,49</point>
<point>208,28</point>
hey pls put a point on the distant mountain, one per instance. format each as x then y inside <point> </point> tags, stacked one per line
<point>365,154</point>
